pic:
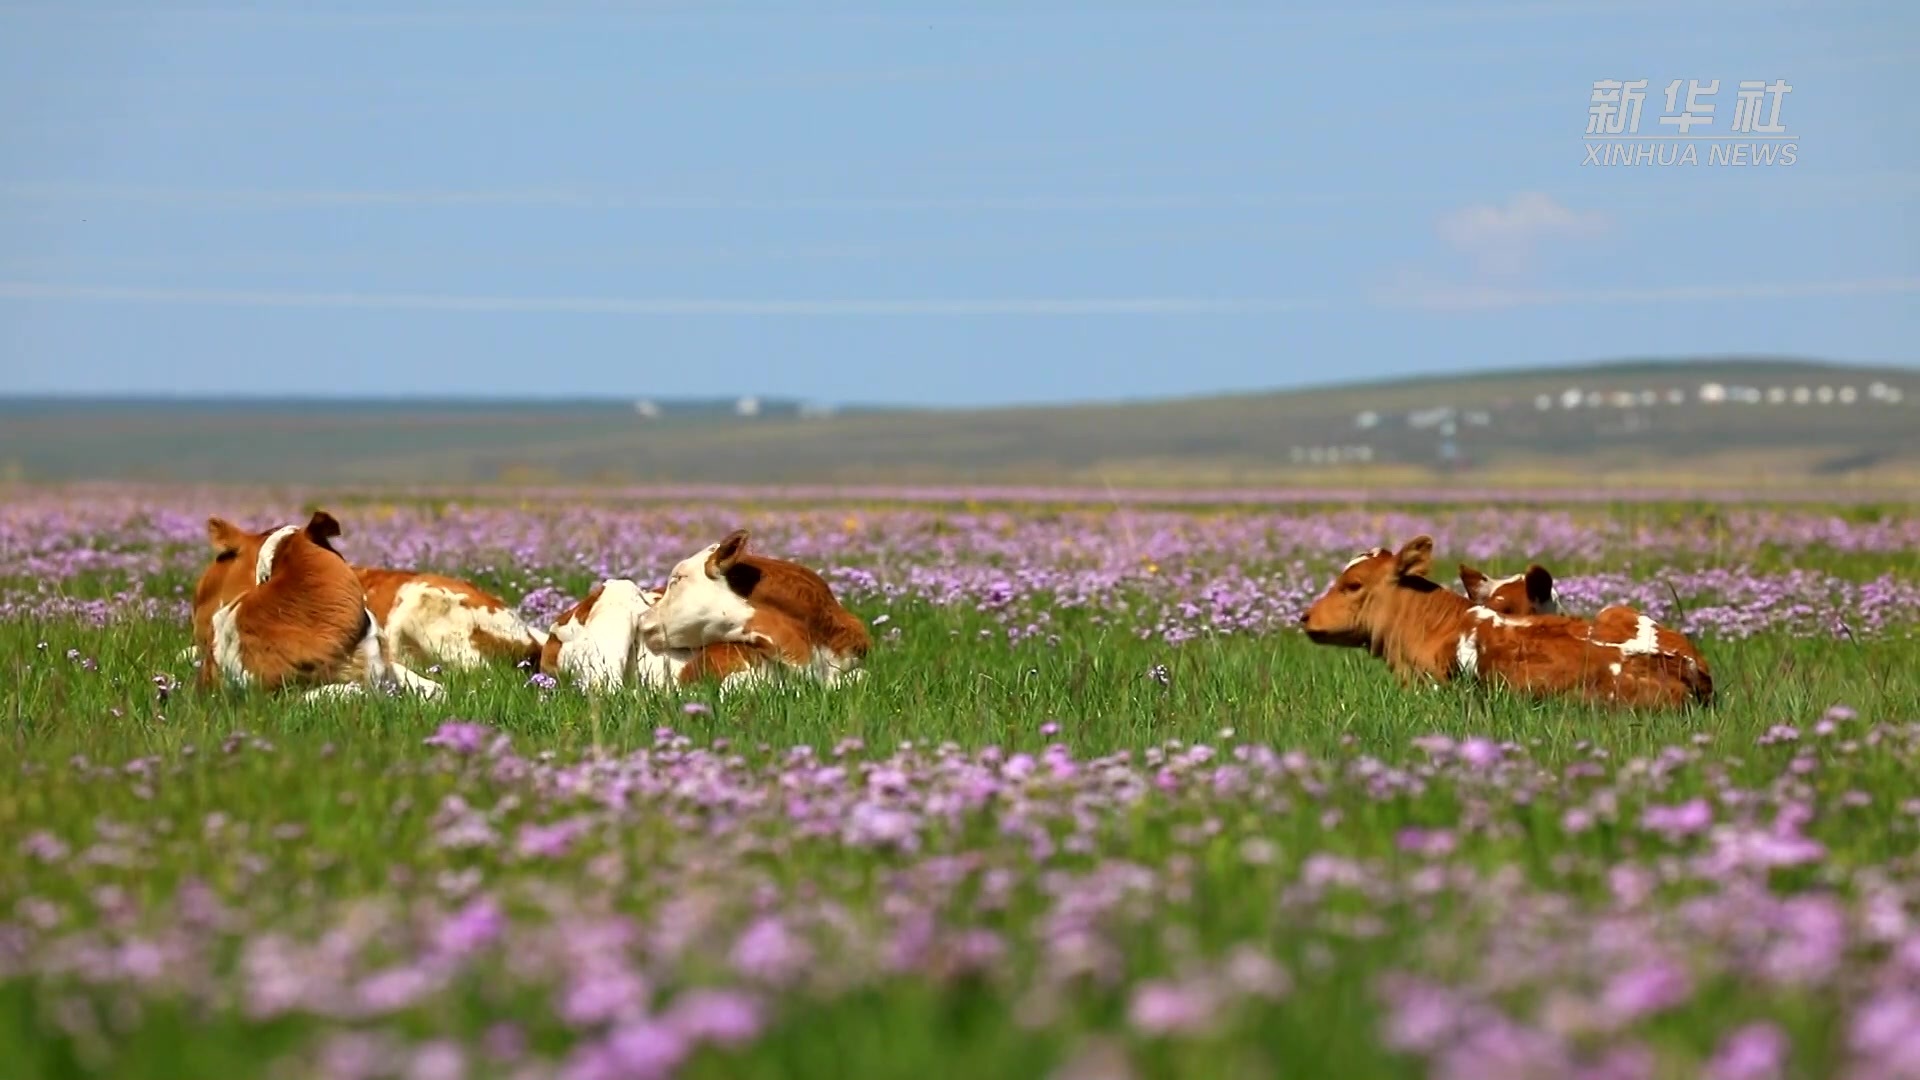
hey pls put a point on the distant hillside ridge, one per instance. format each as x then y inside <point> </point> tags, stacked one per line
<point>1692,422</point>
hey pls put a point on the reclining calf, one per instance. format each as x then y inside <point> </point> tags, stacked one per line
<point>446,621</point>
<point>1532,593</point>
<point>1384,602</point>
<point>772,612</point>
<point>597,645</point>
<point>281,609</point>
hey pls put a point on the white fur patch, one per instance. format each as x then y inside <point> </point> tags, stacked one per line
<point>226,644</point>
<point>1363,557</point>
<point>1466,651</point>
<point>1644,643</point>
<point>413,682</point>
<point>372,659</point>
<point>1614,668</point>
<point>1487,614</point>
<point>602,651</point>
<point>263,566</point>
<point>440,623</point>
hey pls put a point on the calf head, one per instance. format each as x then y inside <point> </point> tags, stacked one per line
<point>245,559</point>
<point>1360,601</point>
<point>723,593</point>
<point>1529,593</point>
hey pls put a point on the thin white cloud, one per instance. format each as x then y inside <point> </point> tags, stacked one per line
<point>1466,299</point>
<point>1502,240</point>
<point>1131,305</point>
<point>601,199</point>
<point>1415,297</point>
<point>1813,189</point>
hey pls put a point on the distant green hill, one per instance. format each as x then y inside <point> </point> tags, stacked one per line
<point>1641,421</point>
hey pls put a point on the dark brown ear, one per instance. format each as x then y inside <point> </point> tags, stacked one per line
<point>1474,581</point>
<point>728,553</point>
<point>1415,558</point>
<point>1539,585</point>
<point>224,535</point>
<point>321,527</point>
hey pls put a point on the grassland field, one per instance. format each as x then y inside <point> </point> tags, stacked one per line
<point>1099,810</point>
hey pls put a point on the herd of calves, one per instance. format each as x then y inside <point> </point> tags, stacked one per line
<point>282,609</point>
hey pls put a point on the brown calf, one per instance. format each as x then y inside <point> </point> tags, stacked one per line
<point>1383,601</point>
<point>724,594</point>
<point>281,608</point>
<point>1528,593</point>
<point>446,621</point>
<point>1532,593</point>
<point>597,644</point>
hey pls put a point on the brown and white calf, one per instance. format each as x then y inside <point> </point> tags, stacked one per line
<point>434,619</point>
<point>1532,593</point>
<point>597,645</point>
<point>282,609</point>
<point>1526,593</point>
<point>727,595</point>
<point>1384,602</point>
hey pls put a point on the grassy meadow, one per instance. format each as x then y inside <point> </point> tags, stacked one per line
<point>1099,810</point>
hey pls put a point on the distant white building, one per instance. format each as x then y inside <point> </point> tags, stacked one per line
<point>1712,393</point>
<point>747,406</point>
<point>1543,402</point>
<point>646,409</point>
<point>1366,420</point>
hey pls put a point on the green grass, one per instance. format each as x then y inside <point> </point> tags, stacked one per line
<point>355,781</point>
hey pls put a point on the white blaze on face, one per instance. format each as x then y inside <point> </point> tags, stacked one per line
<point>263,566</point>
<point>1362,557</point>
<point>697,609</point>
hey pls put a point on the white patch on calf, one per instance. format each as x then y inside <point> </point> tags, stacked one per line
<point>1363,557</point>
<point>1466,651</point>
<point>1644,643</point>
<point>226,644</point>
<point>441,622</point>
<point>1614,668</point>
<point>833,669</point>
<point>263,566</point>
<point>600,651</point>
<point>1487,614</point>
<point>414,682</point>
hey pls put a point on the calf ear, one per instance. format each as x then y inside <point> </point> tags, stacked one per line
<point>1474,581</point>
<point>1415,558</point>
<point>727,553</point>
<point>1539,585</point>
<point>224,535</point>
<point>321,527</point>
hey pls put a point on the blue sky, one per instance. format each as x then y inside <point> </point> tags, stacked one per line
<point>936,203</point>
